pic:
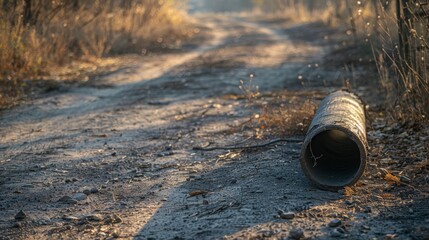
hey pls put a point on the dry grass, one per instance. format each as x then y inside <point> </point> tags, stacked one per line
<point>302,11</point>
<point>280,114</point>
<point>403,68</point>
<point>287,119</point>
<point>59,32</point>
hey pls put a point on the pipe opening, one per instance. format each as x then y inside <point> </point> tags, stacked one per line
<point>333,158</point>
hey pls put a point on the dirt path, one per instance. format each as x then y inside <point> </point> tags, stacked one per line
<point>129,148</point>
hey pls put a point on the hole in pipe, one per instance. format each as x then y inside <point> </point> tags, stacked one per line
<point>333,158</point>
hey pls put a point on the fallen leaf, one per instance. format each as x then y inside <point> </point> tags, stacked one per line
<point>99,135</point>
<point>348,191</point>
<point>197,193</point>
<point>386,195</point>
<point>230,155</point>
<point>392,179</point>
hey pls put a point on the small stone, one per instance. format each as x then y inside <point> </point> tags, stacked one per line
<point>113,219</point>
<point>79,196</point>
<point>113,154</point>
<point>43,222</point>
<point>67,199</point>
<point>70,218</point>
<point>335,223</point>
<point>94,190</point>
<point>82,222</point>
<point>20,216</point>
<point>366,227</point>
<point>287,215</point>
<point>296,233</point>
<point>115,234</point>
<point>390,236</point>
<point>86,191</point>
<point>17,225</point>
<point>95,217</point>
<point>165,153</point>
<point>335,233</point>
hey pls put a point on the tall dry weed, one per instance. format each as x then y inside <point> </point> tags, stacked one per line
<point>397,36</point>
<point>57,32</point>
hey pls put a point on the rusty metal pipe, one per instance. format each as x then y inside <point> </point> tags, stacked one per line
<point>334,151</point>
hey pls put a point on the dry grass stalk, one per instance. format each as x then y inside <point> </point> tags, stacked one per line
<point>57,32</point>
<point>392,179</point>
<point>373,23</point>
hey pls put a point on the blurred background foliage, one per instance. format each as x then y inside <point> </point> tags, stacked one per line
<point>38,34</point>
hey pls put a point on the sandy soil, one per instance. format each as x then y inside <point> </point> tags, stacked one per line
<point>115,159</point>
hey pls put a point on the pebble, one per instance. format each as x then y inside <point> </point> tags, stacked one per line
<point>17,225</point>
<point>70,218</point>
<point>95,217</point>
<point>296,233</point>
<point>43,222</point>
<point>20,215</point>
<point>335,223</point>
<point>115,234</point>
<point>94,190</point>
<point>287,215</point>
<point>113,219</point>
<point>366,227</point>
<point>165,153</point>
<point>67,199</point>
<point>79,196</point>
<point>390,236</point>
<point>90,191</point>
<point>335,233</point>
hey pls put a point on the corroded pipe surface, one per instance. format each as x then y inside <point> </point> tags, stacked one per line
<point>334,152</point>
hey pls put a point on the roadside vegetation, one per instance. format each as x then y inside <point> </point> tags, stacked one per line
<point>36,35</point>
<point>393,33</point>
